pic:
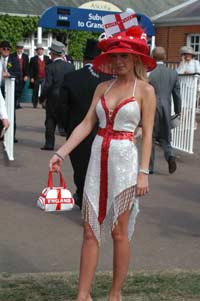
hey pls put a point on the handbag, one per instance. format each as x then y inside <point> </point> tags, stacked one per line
<point>55,198</point>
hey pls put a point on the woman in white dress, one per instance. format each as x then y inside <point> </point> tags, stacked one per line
<point>189,65</point>
<point>114,181</point>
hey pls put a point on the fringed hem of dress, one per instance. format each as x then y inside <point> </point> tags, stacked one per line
<point>126,200</point>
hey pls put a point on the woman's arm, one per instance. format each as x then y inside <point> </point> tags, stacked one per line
<point>79,133</point>
<point>148,106</point>
<point>3,111</point>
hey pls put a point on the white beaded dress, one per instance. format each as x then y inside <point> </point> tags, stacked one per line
<point>113,167</point>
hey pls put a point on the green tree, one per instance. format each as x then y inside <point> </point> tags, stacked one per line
<point>77,41</point>
<point>15,28</point>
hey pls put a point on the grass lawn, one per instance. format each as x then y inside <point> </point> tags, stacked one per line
<point>142,286</point>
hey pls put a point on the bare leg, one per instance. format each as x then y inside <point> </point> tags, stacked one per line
<point>89,259</point>
<point>121,256</point>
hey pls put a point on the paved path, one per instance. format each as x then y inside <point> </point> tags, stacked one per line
<point>167,233</point>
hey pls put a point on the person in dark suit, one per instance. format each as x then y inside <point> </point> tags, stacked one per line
<point>54,76</point>
<point>23,60</point>
<point>69,59</point>
<point>76,95</point>
<point>10,68</point>
<point>37,72</point>
<point>66,57</point>
<point>166,84</point>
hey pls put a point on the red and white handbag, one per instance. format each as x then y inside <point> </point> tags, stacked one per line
<point>55,198</point>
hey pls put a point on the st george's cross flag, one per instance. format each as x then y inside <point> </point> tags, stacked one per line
<point>115,23</point>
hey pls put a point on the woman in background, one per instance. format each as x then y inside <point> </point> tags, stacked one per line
<point>189,65</point>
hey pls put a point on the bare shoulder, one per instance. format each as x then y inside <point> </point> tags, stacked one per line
<point>145,92</point>
<point>101,88</point>
<point>146,88</point>
<point>104,85</point>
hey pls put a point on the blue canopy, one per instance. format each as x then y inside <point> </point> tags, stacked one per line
<point>70,18</point>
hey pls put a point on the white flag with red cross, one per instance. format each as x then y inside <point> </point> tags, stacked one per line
<point>115,23</point>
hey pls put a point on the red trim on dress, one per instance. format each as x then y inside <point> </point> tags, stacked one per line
<point>108,133</point>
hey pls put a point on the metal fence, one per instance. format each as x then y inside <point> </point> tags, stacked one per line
<point>172,65</point>
<point>183,135</point>
<point>78,64</point>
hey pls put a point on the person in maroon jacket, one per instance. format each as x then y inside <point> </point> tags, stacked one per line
<point>23,60</point>
<point>37,72</point>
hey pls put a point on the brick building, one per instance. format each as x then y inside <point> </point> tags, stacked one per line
<point>177,27</point>
<point>29,8</point>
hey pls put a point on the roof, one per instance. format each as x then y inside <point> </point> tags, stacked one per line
<point>36,7</point>
<point>185,14</point>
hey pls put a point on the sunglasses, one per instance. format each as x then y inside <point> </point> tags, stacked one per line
<point>5,48</point>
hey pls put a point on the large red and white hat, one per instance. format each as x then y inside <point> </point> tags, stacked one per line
<point>133,40</point>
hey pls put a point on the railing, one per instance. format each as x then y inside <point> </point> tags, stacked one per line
<point>183,135</point>
<point>78,64</point>
<point>198,97</point>
<point>172,65</point>
<point>10,103</point>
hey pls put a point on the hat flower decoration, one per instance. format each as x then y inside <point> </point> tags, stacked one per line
<point>123,35</point>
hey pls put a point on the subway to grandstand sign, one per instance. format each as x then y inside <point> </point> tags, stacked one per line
<point>73,18</point>
<point>93,22</point>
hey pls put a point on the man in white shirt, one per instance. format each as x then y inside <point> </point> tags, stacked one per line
<point>23,61</point>
<point>11,68</point>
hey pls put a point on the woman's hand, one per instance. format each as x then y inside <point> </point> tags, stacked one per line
<point>5,123</point>
<point>55,163</point>
<point>138,132</point>
<point>142,184</point>
<point>5,74</point>
<point>183,58</point>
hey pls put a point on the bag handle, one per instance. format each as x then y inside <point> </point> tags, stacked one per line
<point>50,180</point>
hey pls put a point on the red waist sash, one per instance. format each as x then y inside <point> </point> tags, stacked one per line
<point>108,134</point>
<point>112,134</point>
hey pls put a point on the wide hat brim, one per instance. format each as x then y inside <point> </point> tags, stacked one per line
<point>187,50</point>
<point>103,62</point>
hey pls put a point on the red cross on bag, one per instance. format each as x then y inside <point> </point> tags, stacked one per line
<point>55,198</point>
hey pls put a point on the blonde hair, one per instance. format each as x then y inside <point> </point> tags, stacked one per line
<point>139,68</point>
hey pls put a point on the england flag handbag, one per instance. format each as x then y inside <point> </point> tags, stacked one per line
<point>55,198</point>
